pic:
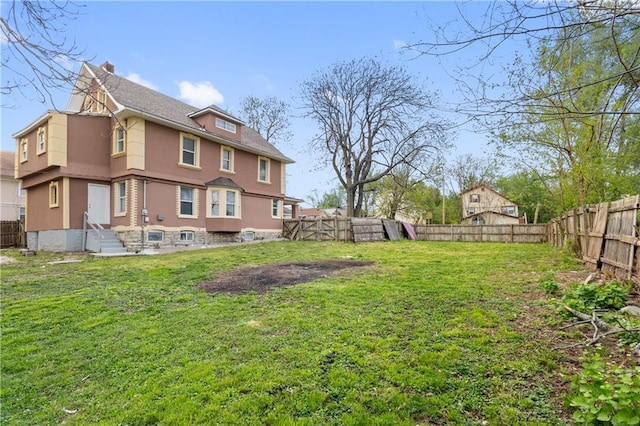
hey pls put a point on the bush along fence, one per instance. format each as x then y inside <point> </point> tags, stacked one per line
<point>371,229</point>
<point>605,235</point>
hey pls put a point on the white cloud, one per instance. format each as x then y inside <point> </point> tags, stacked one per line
<point>135,77</point>
<point>399,44</point>
<point>200,94</point>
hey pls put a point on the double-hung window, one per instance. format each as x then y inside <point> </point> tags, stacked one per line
<point>263,169</point>
<point>189,151</point>
<point>223,202</point>
<point>226,159</point>
<point>119,142</point>
<point>53,194</point>
<point>275,208</point>
<point>42,140</point>
<point>121,198</point>
<point>24,150</point>
<point>231,204</point>
<point>187,201</point>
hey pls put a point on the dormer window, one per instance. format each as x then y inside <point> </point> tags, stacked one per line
<point>225,125</point>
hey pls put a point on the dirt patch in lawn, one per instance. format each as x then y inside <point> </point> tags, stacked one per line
<point>261,279</point>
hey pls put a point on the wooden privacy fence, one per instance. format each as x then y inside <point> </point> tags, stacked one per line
<point>371,229</point>
<point>483,233</point>
<point>605,235</point>
<point>11,234</point>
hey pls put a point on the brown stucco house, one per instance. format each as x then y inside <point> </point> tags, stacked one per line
<point>482,205</point>
<point>149,168</point>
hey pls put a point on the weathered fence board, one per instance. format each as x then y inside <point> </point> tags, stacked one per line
<point>596,236</point>
<point>391,228</point>
<point>365,229</point>
<point>607,238</point>
<point>371,229</point>
<point>11,234</point>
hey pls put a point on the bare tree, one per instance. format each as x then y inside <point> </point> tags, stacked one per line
<point>532,22</point>
<point>372,118</point>
<point>269,117</point>
<point>467,171</point>
<point>36,52</point>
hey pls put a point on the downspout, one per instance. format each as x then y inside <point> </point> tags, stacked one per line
<point>144,212</point>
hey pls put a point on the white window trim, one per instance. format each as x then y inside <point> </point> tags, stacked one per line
<point>24,150</point>
<point>116,139</point>
<point>54,186</point>
<point>268,163</point>
<point>42,133</point>
<point>187,232</point>
<point>222,199</point>
<point>118,197</point>
<point>196,157</point>
<point>225,125</point>
<point>179,202</point>
<point>155,231</point>
<point>232,160</point>
<point>278,208</point>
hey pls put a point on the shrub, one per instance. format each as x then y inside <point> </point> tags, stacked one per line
<point>606,394</point>
<point>549,284</point>
<point>588,297</point>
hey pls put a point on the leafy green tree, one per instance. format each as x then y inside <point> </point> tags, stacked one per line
<point>333,199</point>
<point>530,194</point>
<point>574,125</point>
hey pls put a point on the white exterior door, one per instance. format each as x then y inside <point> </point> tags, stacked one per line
<point>99,205</point>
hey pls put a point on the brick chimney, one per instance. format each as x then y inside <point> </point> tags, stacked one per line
<point>108,67</point>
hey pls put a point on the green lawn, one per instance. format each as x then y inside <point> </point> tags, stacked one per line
<point>430,334</point>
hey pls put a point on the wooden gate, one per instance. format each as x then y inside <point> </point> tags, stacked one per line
<point>595,239</point>
<point>317,229</point>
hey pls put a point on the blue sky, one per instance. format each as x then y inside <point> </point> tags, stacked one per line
<point>220,52</point>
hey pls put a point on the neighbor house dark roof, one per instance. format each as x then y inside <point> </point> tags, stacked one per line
<point>7,163</point>
<point>141,99</point>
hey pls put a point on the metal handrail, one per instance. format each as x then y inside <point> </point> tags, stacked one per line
<point>94,225</point>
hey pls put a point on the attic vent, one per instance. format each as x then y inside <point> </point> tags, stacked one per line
<point>108,67</point>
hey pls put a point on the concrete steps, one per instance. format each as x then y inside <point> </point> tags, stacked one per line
<point>109,244</point>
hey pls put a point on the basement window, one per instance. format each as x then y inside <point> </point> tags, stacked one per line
<point>187,236</point>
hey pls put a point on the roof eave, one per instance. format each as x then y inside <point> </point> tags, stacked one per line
<point>35,124</point>
<point>203,133</point>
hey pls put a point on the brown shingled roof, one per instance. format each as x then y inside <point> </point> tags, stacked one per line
<point>7,163</point>
<point>140,98</point>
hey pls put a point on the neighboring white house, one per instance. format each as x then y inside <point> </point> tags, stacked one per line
<point>482,205</point>
<point>12,196</point>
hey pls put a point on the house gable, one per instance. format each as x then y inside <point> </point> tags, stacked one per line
<point>482,198</point>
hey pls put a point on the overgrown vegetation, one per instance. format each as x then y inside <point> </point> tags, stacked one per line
<point>435,333</point>
<point>605,392</point>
